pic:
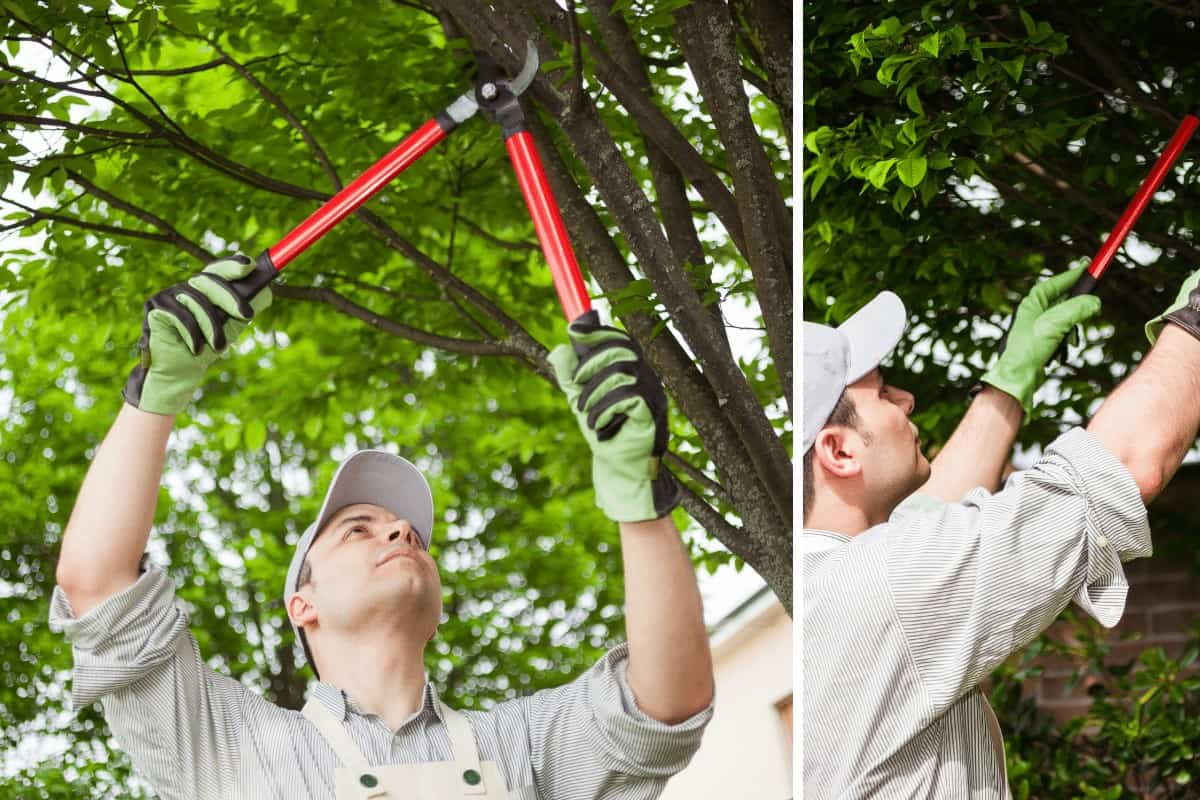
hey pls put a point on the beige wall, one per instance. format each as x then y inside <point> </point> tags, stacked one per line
<point>747,748</point>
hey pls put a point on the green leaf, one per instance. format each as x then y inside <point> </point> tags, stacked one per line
<point>981,124</point>
<point>815,139</point>
<point>859,44</point>
<point>887,70</point>
<point>913,101</point>
<point>890,27</point>
<point>825,231</point>
<point>911,170</point>
<point>822,174</point>
<point>1014,67</point>
<point>1030,25</point>
<point>877,175</point>
<point>181,19</point>
<point>255,434</point>
<point>930,44</point>
<point>147,23</point>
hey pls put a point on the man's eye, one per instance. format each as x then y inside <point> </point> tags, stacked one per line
<point>355,529</point>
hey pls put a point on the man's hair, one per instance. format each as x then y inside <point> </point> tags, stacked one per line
<point>845,415</point>
<point>305,574</point>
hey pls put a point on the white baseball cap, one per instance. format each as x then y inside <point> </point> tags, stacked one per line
<point>366,476</point>
<point>834,358</point>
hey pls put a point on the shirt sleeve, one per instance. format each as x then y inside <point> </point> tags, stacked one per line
<point>974,581</point>
<point>589,738</point>
<point>179,721</point>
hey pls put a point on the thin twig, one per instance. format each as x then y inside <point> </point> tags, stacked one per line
<point>698,475</point>
<point>173,235</point>
<point>528,247</point>
<point>133,81</point>
<point>322,294</point>
<point>207,65</point>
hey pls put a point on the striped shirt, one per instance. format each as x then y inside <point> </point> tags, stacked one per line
<point>196,734</point>
<point>902,622</point>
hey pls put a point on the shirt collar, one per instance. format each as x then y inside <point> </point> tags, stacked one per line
<point>339,703</point>
<point>818,541</point>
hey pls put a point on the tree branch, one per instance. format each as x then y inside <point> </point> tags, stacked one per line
<point>133,81</point>
<point>172,235</point>
<point>708,41</point>
<point>669,187</point>
<point>112,230</point>
<point>327,296</point>
<point>767,25</point>
<point>651,120</point>
<point>697,475</point>
<point>1085,199</point>
<point>104,133</point>
<point>518,247</point>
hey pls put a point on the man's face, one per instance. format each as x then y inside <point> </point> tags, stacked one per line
<point>893,465</point>
<point>371,569</point>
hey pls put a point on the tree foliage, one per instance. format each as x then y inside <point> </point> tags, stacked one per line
<point>152,137</point>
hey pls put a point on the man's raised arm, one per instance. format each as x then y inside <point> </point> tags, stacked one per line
<point>184,329</point>
<point>106,535</point>
<point>979,448</point>
<point>622,411</point>
<point>1151,420</point>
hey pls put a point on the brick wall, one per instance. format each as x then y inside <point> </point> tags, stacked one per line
<point>1164,599</point>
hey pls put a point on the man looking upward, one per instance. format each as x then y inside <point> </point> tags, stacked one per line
<point>365,596</point>
<point>920,579</point>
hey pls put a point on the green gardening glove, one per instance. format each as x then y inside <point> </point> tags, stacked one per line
<point>188,325</point>
<point>1038,328</point>
<point>1184,312</point>
<point>622,411</point>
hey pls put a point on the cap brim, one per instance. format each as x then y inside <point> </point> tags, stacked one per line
<point>873,332</point>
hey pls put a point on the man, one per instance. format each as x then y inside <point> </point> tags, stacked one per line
<point>910,600</point>
<point>365,596</point>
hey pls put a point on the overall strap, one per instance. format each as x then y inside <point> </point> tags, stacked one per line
<point>335,735</point>
<point>466,751</point>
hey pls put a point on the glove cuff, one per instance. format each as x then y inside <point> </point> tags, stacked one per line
<point>642,502</point>
<point>1186,315</point>
<point>1187,318</point>
<point>1011,385</point>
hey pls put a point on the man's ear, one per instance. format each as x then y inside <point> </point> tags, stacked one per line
<point>301,610</point>
<point>839,451</point>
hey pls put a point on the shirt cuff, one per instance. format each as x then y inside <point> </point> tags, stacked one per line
<point>1116,526</point>
<point>656,748</point>
<point>123,638</point>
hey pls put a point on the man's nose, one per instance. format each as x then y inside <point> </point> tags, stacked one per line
<point>403,530</point>
<point>905,400</point>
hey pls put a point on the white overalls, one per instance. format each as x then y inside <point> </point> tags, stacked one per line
<point>464,778</point>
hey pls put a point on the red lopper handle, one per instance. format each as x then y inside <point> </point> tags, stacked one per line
<point>1140,200</point>
<point>547,222</point>
<point>361,189</point>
